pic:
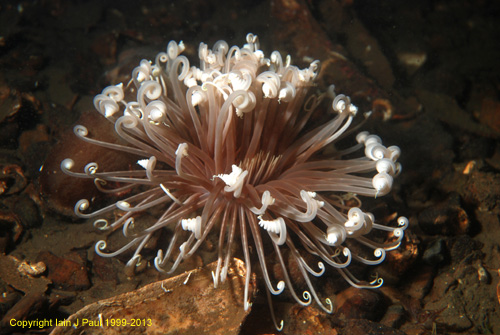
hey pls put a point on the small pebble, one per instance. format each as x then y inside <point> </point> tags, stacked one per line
<point>435,252</point>
<point>32,269</point>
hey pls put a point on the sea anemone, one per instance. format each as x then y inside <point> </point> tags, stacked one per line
<point>235,146</point>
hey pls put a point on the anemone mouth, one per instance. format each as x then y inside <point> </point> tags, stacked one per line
<point>232,146</point>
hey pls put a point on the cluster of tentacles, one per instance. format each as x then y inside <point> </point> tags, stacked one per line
<point>229,146</point>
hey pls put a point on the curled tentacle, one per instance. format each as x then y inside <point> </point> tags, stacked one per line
<point>101,224</point>
<point>91,168</point>
<point>83,204</point>
<point>244,103</point>
<point>193,225</point>
<point>237,144</point>
<point>379,253</point>
<point>100,246</point>
<point>142,72</point>
<point>149,91</point>
<point>270,84</point>
<point>275,228</point>
<point>382,183</point>
<point>115,92</point>
<point>267,200</point>
<point>127,227</point>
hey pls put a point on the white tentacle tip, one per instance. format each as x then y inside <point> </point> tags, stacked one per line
<point>67,164</point>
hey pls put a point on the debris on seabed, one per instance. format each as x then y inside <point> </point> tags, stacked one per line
<point>185,304</point>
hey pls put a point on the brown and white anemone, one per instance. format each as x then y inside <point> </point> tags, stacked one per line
<point>241,157</point>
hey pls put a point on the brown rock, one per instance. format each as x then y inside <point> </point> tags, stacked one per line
<point>366,49</point>
<point>185,304</point>
<point>27,211</point>
<point>447,110</point>
<point>398,261</point>
<point>65,274</point>
<point>421,282</point>
<point>394,317</point>
<point>309,320</point>
<point>61,191</point>
<point>354,303</point>
<point>12,179</point>
<point>447,218</point>
<point>489,113</point>
<point>11,275</point>
<point>105,47</point>
<point>363,327</point>
<point>8,299</point>
<point>30,305</point>
<point>102,267</point>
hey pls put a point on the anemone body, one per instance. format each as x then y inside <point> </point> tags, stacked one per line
<point>230,146</point>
